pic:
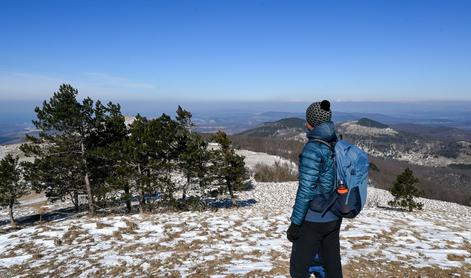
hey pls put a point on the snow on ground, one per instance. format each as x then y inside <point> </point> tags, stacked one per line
<point>253,158</point>
<point>352,127</point>
<point>13,149</point>
<point>248,241</point>
<point>33,204</point>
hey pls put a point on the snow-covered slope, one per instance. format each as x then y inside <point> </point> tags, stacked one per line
<point>353,128</point>
<point>247,241</point>
<point>416,144</point>
<point>415,148</point>
<point>254,158</point>
<point>13,149</point>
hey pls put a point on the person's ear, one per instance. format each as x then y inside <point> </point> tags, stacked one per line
<point>309,126</point>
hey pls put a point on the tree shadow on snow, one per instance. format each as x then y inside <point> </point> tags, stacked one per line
<point>52,215</point>
<point>392,208</point>
<point>227,203</point>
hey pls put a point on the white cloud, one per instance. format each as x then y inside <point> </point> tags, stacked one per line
<point>106,80</point>
<point>15,85</point>
<point>24,86</point>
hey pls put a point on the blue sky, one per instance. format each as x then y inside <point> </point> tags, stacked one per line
<point>237,50</point>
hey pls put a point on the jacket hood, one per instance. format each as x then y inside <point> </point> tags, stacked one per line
<point>324,131</point>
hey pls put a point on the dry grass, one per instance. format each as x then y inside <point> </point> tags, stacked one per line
<point>280,172</point>
<point>214,255</point>
<point>454,257</point>
<point>57,242</point>
<point>101,225</point>
<point>467,246</point>
<point>361,245</point>
<point>117,235</point>
<point>389,236</point>
<point>131,226</point>
<point>364,268</point>
<point>11,253</point>
<point>72,234</point>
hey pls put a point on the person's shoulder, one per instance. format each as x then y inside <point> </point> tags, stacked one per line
<point>311,147</point>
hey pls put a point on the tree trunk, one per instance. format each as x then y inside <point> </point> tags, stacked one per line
<point>142,201</point>
<point>12,219</point>
<point>91,202</point>
<point>185,187</point>
<point>200,187</point>
<point>128,197</point>
<point>76,201</point>
<point>231,193</point>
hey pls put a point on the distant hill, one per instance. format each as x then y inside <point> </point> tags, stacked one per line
<point>448,134</point>
<point>292,126</point>
<point>417,144</point>
<point>284,128</point>
<point>288,123</point>
<point>371,123</point>
<point>435,161</point>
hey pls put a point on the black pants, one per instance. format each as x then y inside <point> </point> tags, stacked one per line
<point>317,238</point>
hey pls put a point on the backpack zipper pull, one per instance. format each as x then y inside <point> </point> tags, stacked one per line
<point>342,188</point>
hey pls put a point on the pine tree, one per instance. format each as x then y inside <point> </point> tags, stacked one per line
<point>162,142</point>
<point>132,163</point>
<point>58,177</point>
<point>230,166</point>
<point>111,129</point>
<point>11,185</point>
<point>193,154</point>
<point>65,151</point>
<point>146,159</point>
<point>404,190</point>
<point>184,118</point>
<point>194,163</point>
<point>201,164</point>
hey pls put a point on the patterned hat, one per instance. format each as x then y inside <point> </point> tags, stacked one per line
<point>318,112</point>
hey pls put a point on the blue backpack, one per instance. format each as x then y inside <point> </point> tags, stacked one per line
<point>351,171</point>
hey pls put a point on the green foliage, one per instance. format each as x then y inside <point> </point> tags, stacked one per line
<point>154,150</point>
<point>270,129</point>
<point>191,203</point>
<point>184,118</point>
<point>230,167</point>
<point>143,161</point>
<point>86,148</point>
<point>11,185</point>
<point>371,123</point>
<point>67,161</point>
<point>193,157</point>
<point>404,190</point>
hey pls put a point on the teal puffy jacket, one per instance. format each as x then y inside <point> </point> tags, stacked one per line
<point>316,174</point>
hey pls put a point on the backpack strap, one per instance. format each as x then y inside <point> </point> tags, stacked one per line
<point>332,149</point>
<point>330,145</point>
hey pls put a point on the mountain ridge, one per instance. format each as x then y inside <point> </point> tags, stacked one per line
<point>415,143</point>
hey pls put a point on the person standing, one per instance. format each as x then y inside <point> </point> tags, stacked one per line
<point>312,232</point>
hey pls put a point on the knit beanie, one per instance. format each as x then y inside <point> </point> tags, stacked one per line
<point>318,112</point>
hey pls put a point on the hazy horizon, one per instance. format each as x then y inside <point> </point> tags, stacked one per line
<point>233,51</point>
<point>24,110</point>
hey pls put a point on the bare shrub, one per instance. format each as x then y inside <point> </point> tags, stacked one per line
<point>279,172</point>
<point>117,235</point>
<point>288,149</point>
<point>72,233</point>
<point>101,225</point>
